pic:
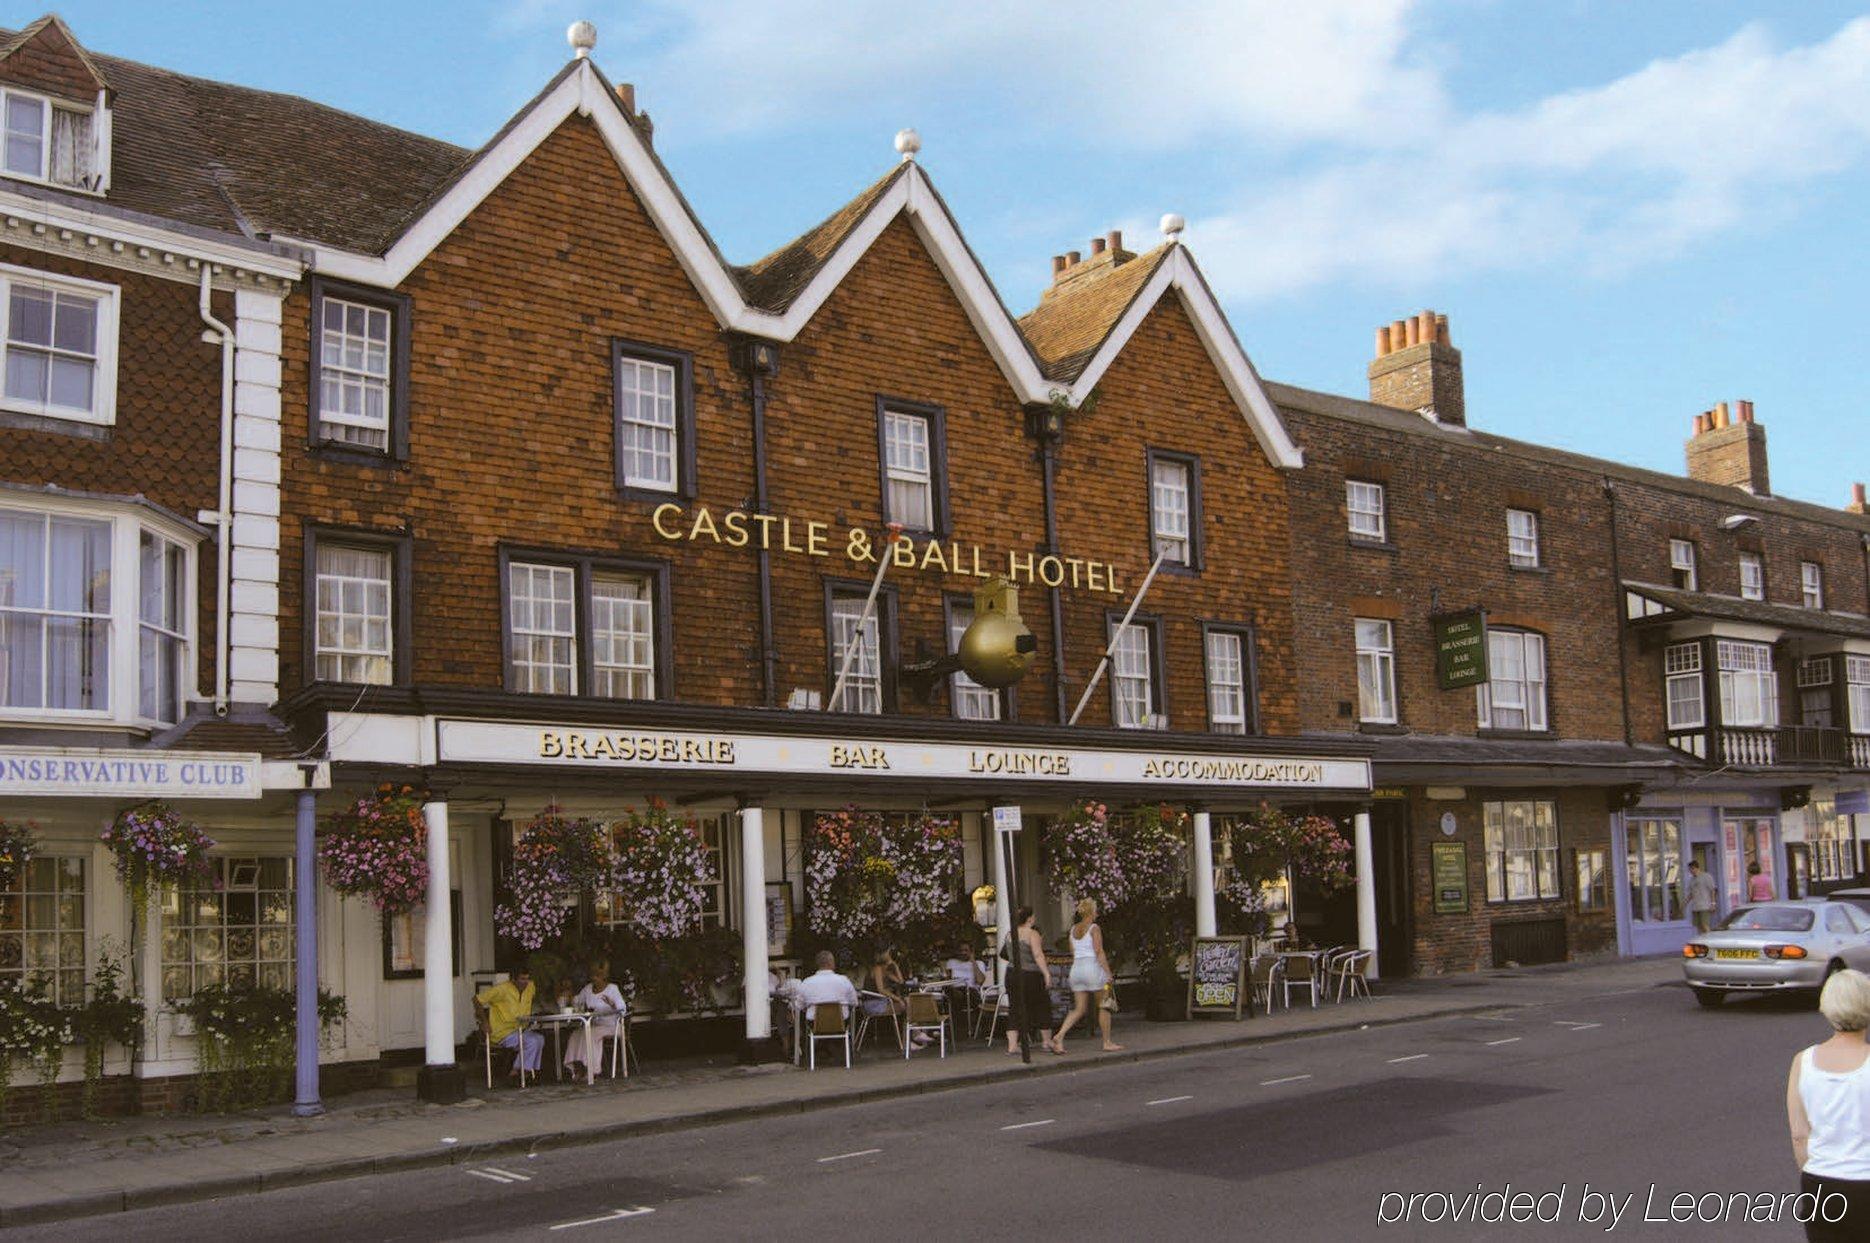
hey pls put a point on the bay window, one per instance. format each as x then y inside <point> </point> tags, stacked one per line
<point>42,928</point>
<point>96,613</point>
<point>1514,696</point>
<point>1857,692</point>
<point>1521,842</point>
<point>1681,663</point>
<point>1749,691</point>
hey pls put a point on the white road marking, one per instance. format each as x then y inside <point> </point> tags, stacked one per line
<point>1020,1126</point>
<point>524,1178</point>
<point>846,1156</point>
<point>1490,1018</point>
<point>1508,1040</point>
<point>1413,1057</point>
<point>1267,1083</point>
<point>1579,1027</point>
<point>613,1215</point>
<point>1170,1100</point>
<point>492,1177</point>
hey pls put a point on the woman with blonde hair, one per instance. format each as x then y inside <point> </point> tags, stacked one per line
<point>1828,1106</point>
<point>605,1002</point>
<point>1090,975</point>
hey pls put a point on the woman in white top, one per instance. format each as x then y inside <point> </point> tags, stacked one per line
<point>1828,1104</point>
<point>605,1002</point>
<point>1090,972</point>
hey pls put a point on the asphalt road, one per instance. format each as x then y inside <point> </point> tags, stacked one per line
<point>1297,1140</point>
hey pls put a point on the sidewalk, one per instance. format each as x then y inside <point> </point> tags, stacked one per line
<point>79,1169</point>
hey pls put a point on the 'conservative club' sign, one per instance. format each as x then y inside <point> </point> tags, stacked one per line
<point>73,771</point>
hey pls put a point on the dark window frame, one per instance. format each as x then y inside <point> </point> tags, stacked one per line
<point>583,564</point>
<point>1197,553</point>
<point>951,600</point>
<point>937,418</point>
<point>1504,796</point>
<point>887,614</point>
<point>401,547</point>
<point>398,305</point>
<point>1249,672</point>
<point>1158,657</point>
<point>687,467</point>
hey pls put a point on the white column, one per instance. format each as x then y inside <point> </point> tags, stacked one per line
<point>1203,870</point>
<point>1002,892</point>
<point>1366,888</point>
<point>253,653</point>
<point>438,1006</point>
<point>753,923</point>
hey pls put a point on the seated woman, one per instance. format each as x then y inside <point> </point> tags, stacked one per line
<point>886,980</point>
<point>605,1001</point>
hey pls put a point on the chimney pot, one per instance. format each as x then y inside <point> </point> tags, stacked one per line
<point>1115,238</point>
<point>1441,330</point>
<point>1426,382</point>
<point>1097,246</point>
<point>1383,341</point>
<point>1058,264</point>
<point>1427,321</point>
<point>1857,496</point>
<point>1072,258</point>
<point>1412,331</point>
<point>1746,412</point>
<point>626,95</point>
<point>1399,335</point>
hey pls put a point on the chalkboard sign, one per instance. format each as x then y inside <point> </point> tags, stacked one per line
<point>1448,873</point>
<point>1217,976</point>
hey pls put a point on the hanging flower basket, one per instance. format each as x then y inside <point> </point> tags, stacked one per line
<point>378,849</point>
<point>555,858</point>
<point>1083,853</point>
<point>18,846</point>
<point>868,876</point>
<point>155,845</point>
<point>658,872</point>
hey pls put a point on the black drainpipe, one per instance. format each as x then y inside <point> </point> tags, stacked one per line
<point>1616,574</point>
<point>761,359</point>
<point>1045,424</point>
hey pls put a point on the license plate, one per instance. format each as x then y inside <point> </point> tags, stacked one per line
<point>1736,953</point>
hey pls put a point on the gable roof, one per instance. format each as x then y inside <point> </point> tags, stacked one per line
<point>773,282</point>
<point>52,28</point>
<point>1072,320</point>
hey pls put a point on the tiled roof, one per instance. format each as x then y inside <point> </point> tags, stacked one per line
<point>1759,612</point>
<point>244,729</point>
<point>773,282</point>
<point>1073,320</point>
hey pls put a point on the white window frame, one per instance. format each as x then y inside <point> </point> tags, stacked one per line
<point>1171,510</point>
<point>1367,502</point>
<point>525,671</point>
<point>1522,538</point>
<point>1812,584</point>
<point>1525,694</point>
<point>1228,683</point>
<point>127,522</point>
<point>905,435</point>
<point>1745,665</point>
<point>366,378</point>
<point>176,638</point>
<point>1683,559</point>
<point>631,369</point>
<point>70,958</point>
<point>104,366</point>
<point>100,152</point>
<point>1752,576</point>
<point>1379,657</point>
<point>971,701</point>
<point>1857,691</point>
<point>347,656</point>
<point>1526,869</point>
<point>1833,848</point>
<point>623,656</point>
<point>1133,676</point>
<point>1681,666</point>
<point>236,873</point>
<point>863,684</point>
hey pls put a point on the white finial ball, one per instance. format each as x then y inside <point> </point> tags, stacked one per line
<point>908,142</point>
<point>1173,224</point>
<point>582,36</point>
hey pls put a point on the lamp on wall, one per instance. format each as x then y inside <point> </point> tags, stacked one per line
<point>1733,522</point>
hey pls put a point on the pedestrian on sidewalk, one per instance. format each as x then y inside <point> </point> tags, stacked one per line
<point>1090,975</point>
<point>1700,897</point>
<point>1828,1106</point>
<point>1759,884</point>
<point>505,1004</point>
<point>1028,986</point>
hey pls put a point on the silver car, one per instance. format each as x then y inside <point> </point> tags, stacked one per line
<point>1776,947</point>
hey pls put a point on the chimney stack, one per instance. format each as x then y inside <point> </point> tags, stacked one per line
<point>1418,369</point>
<point>1858,505</point>
<point>1107,252</point>
<point>1729,448</point>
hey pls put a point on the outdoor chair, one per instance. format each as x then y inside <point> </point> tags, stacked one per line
<point>490,1049</point>
<point>1299,971</point>
<point>619,1048</point>
<point>1329,961</point>
<point>1263,977</point>
<point>1352,973</point>
<point>866,1021</point>
<point>996,1005</point>
<point>829,1023</point>
<point>925,1015</point>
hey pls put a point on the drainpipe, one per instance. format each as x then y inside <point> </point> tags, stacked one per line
<point>769,655</point>
<point>219,333</point>
<point>1616,574</point>
<point>1048,463</point>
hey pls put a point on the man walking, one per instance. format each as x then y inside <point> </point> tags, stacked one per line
<point>1700,897</point>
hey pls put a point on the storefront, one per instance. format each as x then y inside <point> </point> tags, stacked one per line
<point>1727,832</point>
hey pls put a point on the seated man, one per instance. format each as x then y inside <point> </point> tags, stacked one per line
<point>505,1004</point>
<point>824,986</point>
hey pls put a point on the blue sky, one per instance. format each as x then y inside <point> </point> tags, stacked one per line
<point>1628,211</point>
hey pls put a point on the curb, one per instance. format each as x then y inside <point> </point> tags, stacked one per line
<point>92,1204</point>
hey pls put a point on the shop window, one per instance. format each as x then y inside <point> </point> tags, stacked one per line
<point>1653,865</point>
<point>1811,584</point>
<point>1681,664</point>
<point>1833,849</point>
<point>586,626</point>
<point>1136,691</point>
<point>971,700</point>
<point>608,908</point>
<point>1682,570</point>
<point>1230,680</point>
<point>42,928</point>
<point>48,141</point>
<point>868,686</point>
<point>1591,870</point>
<point>1514,696</point>
<point>1364,502</point>
<point>1752,576</point>
<point>1522,538</point>
<point>235,930</point>
<point>912,448</point>
<point>360,369</point>
<point>1175,509</point>
<point>1749,691</point>
<point>1521,841</point>
<point>655,420</point>
<point>1857,692</point>
<point>1376,672</point>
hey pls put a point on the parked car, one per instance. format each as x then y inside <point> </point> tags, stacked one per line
<point>1859,898</point>
<point>1776,947</point>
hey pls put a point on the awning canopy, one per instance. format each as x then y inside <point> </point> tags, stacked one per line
<point>1651,604</point>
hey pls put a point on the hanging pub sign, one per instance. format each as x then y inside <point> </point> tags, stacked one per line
<point>1217,976</point>
<point>1460,648</point>
<point>1448,874</point>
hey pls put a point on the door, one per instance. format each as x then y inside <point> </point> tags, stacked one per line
<point>1754,837</point>
<point>1798,870</point>
<point>1389,856</point>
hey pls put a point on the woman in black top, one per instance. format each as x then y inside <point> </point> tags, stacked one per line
<point>1027,986</point>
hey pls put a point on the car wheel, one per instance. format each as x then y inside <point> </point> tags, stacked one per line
<point>1710,997</point>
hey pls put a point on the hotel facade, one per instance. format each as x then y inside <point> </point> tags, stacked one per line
<point>332,455</point>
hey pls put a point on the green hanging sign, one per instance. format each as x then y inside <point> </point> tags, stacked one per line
<point>1460,648</point>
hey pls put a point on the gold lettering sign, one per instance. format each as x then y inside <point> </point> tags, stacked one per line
<point>1167,768</point>
<point>633,748</point>
<point>1019,763</point>
<point>859,756</point>
<point>773,533</point>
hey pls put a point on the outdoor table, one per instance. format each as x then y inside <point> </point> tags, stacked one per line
<point>558,1021</point>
